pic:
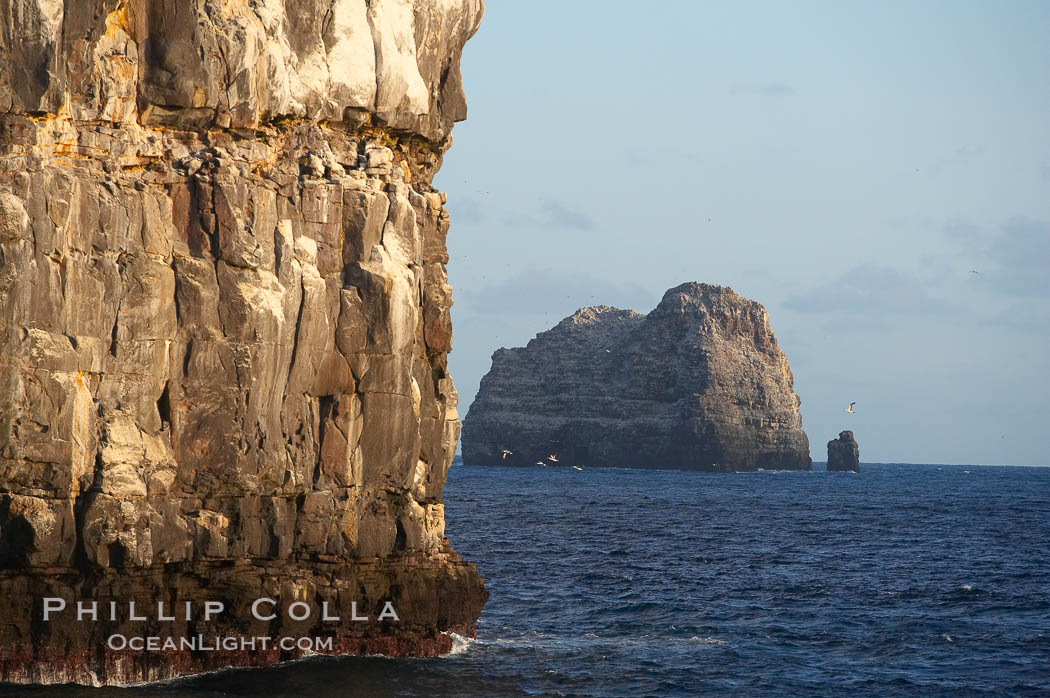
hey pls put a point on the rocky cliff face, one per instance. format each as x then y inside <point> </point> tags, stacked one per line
<point>699,384</point>
<point>844,453</point>
<point>224,321</point>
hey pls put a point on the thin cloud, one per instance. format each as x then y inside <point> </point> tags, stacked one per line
<point>772,89</point>
<point>1020,255</point>
<point>877,292</point>
<point>465,210</point>
<point>1012,262</point>
<point>1026,317</point>
<point>552,213</point>
<point>538,292</point>
<point>557,213</point>
<point>856,323</point>
<point>962,231</point>
<point>970,150</point>
<point>968,154</point>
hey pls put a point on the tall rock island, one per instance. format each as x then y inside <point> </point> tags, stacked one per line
<point>697,384</point>
<point>224,322</point>
<point>844,454</point>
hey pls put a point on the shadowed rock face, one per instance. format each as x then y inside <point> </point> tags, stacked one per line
<point>844,453</point>
<point>697,384</point>
<point>224,321</point>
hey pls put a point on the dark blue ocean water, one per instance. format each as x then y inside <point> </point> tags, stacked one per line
<point>903,580</point>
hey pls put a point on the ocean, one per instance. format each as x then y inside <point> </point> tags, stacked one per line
<point>903,580</point>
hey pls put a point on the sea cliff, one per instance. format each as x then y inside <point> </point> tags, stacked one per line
<point>697,384</point>
<point>224,323</point>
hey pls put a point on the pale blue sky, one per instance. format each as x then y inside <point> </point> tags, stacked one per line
<point>846,164</point>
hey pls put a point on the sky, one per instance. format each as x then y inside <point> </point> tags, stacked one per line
<point>846,164</point>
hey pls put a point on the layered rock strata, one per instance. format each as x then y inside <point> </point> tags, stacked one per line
<point>844,453</point>
<point>224,321</point>
<point>697,384</point>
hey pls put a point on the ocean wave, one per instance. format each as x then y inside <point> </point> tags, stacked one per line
<point>712,641</point>
<point>460,644</point>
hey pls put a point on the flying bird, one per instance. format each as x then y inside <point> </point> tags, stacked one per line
<point>507,453</point>
<point>552,458</point>
<point>850,408</point>
<point>539,462</point>
<point>974,271</point>
<point>576,467</point>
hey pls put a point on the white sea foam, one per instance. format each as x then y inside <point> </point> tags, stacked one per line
<point>460,645</point>
<point>966,587</point>
<point>712,641</point>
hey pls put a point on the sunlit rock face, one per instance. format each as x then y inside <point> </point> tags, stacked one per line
<point>224,322</point>
<point>697,384</point>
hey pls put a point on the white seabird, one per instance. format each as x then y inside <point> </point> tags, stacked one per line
<point>850,408</point>
<point>552,458</point>
<point>507,453</point>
